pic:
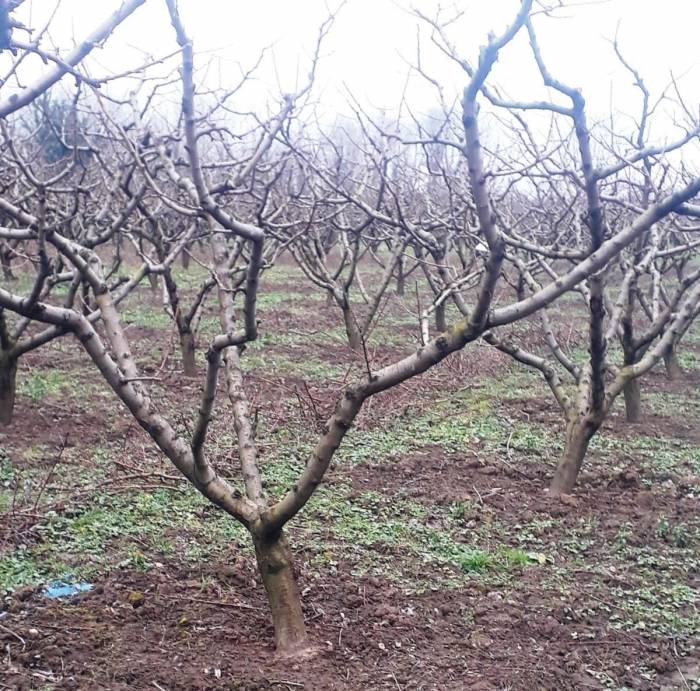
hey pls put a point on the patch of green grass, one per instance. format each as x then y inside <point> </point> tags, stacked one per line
<point>668,609</point>
<point>513,382</point>
<point>398,539</point>
<point>454,425</point>
<point>653,590</point>
<point>674,532</point>
<point>692,336</point>
<point>304,367</point>
<point>689,360</point>
<point>6,469</point>
<point>190,279</point>
<point>669,403</point>
<point>274,298</point>
<point>35,452</point>
<point>40,384</point>
<point>658,457</point>
<point>145,315</point>
<point>19,569</point>
<point>294,339</point>
<point>281,273</point>
<point>121,530</point>
<point>132,529</point>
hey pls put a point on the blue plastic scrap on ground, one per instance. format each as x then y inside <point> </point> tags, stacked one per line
<point>58,589</point>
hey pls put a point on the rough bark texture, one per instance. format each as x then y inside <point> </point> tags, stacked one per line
<point>578,436</point>
<point>276,570</point>
<point>6,261</point>
<point>440,318</point>
<point>187,348</point>
<point>351,329</point>
<point>400,279</point>
<point>8,378</point>
<point>633,400</point>
<point>673,367</point>
<point>153,281</point>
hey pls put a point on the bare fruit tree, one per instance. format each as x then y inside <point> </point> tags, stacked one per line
<point>52,188</point>
<point>240,212</point>
<point>614,193</point>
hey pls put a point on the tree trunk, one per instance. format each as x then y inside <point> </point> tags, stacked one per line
<point>187,349</point>
<point>153,281</point>
<point>8,379</point>
<point>185,258</point>
<point>673,368</point>
<point>578,436</point>
<point>277,572</point>
<point>400,279</point>
<point>633,400</point>
<point>440,318</point>
<point>351,329</point>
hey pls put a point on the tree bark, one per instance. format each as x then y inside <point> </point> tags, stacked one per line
<point>440,318</point>
<point>277,572</point>
<point>673,368</point>
<point>187,349</point>
<point>400,278</point>
<point>8,379</point>
<point>633,400</point>
<point>6,260</point>
<point>351,329</point>
<point>153,281</point>
<point>185,259</point>
<point>578,435</point>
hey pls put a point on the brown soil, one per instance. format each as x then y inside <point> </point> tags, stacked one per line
<point>207,627</point>
<point>163,629</point>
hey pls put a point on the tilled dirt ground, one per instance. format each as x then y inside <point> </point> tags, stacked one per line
<point>163,629</point>
<point>572,617</point>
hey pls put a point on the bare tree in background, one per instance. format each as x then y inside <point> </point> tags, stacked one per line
<point>613,194</point>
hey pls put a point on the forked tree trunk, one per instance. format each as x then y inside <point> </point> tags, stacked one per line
<point>187,348</point>
<point>8,380</point>
<point>440,318</point>
<point>578,435</point>
<point>673,367</point>
<point>277,572</point>
<point>633,400</point>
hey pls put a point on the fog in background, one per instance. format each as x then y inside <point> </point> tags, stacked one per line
<point>367,55</point>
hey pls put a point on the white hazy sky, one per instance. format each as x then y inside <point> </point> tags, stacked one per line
<point>372,40</point>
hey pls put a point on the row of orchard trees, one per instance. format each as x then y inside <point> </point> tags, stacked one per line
<point>499,232</point>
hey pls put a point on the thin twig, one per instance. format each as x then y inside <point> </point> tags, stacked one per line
<point>16,635</point>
